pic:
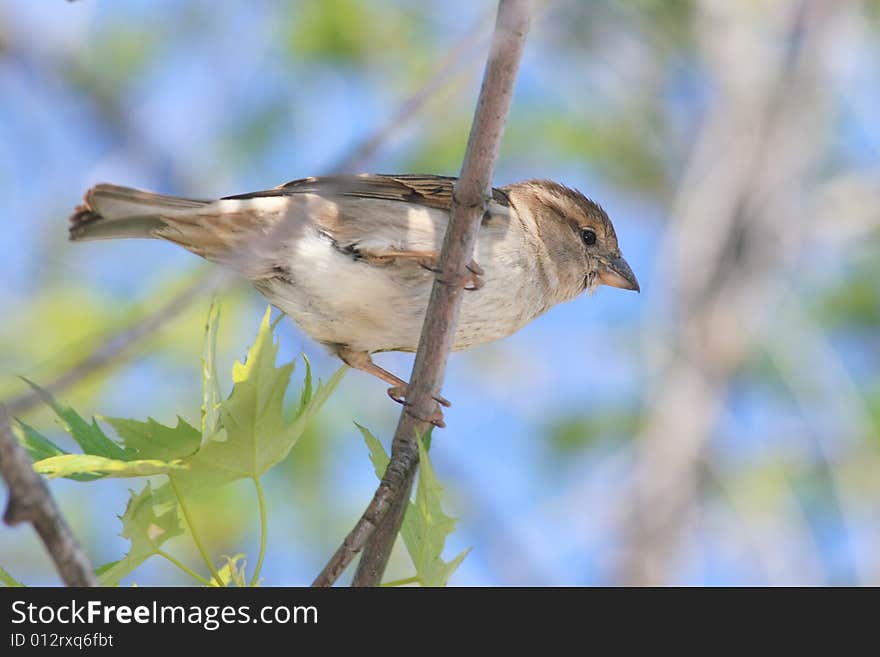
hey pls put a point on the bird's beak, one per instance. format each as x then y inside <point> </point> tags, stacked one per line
<point>617,273</point>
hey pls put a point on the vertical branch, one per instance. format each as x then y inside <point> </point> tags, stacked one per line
<point>470,197</point>
<point>737,228</point>
<point>30,501</point>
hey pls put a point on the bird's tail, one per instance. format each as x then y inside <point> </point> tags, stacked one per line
<point>114,212</point>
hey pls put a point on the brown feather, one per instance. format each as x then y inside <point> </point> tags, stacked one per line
<point>421,189</point>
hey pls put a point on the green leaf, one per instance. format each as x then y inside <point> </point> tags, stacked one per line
<point>88,436</point>
<point>255,434</point>
<point>40,448</point>
<point>103,568</point>
<point>211,395</point>
<point>247,433</point>
<point>316,400</point>
<point>425,526</point>
<point>425,533</point>
<point>148,448</point>
<point>150,519</point>
<point>37,445</point>
<point>68,465</point>
<point>253,413</point>
<point>378,455</point>
<point>232,572</point>
<point>8,580</point>
<point>306,395</point>
<point>153,440</point>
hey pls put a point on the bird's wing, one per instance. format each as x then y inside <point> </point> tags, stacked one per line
<point>421,189</point>
<point>380,230</point>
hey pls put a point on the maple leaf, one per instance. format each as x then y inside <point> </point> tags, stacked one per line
<point>102,456</point>
<point>253,434</point>
<point>150,519</point>
<point>425,525</point>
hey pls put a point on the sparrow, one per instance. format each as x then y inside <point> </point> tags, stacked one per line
<point>352,259</point>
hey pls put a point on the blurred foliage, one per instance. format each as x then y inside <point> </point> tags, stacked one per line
<point>65,321</point>
<point>355,33</point>
<point>852,302</point>
<point>441,149</point>
<point>571,433</point>
<point>667,24</point>
<point>626,147</point>
<point>872,395</point>
<point>115,62</point>
<point>254,134</point>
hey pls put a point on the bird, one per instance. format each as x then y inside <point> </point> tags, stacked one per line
<point>352,258</point>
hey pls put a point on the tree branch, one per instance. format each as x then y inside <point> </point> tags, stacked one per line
<point>470,197</point>
<point>769,121</point>
<point>30,501</point>
<point>115,345</point>
<point>377,551</point>
<point>29,497</point>
<point>458,58</point>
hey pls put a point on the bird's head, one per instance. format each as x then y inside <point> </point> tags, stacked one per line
<point>579,237</point>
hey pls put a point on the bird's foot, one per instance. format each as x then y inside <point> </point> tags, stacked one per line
<point>472,280</point>
<point>398,394</point>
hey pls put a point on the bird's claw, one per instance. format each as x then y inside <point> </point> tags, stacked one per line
<point>472,280</point>
<point>398,394</point>
<point>430,264</point>
<point>442,400</point>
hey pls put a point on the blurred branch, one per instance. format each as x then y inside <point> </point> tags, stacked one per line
<point>772,530</point>
<point>457,58</point>
<point>834,409</point>
<point>735,231</point>
<point>30,501</point>
<point>470,196</point>
<point>115,346</point>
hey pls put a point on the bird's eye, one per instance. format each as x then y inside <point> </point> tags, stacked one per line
<point>588,235</point>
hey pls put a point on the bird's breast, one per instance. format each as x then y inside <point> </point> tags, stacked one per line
<point>338,298</point>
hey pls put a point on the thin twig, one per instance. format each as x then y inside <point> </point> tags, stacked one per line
<point>470,198</point>
<point>455,60</point>
<point>30,501</point>
<point>115,345</point>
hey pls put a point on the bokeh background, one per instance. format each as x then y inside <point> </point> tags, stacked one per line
<point>721,428</point>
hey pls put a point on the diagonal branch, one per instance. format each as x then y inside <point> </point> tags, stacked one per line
<point>457,60</point>
<point>30,501</point>
<point>116,345</point>
<point>470,197</point>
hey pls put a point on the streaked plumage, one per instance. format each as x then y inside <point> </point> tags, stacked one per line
<point>349,257</point>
